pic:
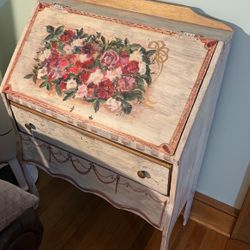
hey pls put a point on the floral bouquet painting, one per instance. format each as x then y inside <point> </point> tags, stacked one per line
<point>114,74</point>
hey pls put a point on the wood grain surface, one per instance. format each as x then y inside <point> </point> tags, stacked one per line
<point>165,10</point>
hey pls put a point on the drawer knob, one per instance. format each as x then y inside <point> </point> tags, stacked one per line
<point>30,126</point>
<point>143,174</point>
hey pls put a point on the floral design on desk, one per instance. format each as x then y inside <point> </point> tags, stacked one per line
<point>114,74</point>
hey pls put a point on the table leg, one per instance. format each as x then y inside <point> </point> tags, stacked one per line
<point>17,170</point>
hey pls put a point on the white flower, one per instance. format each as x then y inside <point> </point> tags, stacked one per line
<point>113,74</point>
<point>113,104</point>
<point>82,91</point>
<point>136,56</point>
<point>83,58</point>
<point>71,83</point>
<point>77,43</point>
<point>142,68</point>
<point>68,49</point>
<point>42,72</point>
<point>96,77</point>
<point>44,54</point>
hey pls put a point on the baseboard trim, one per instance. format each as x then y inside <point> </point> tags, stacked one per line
<point>214,214</point>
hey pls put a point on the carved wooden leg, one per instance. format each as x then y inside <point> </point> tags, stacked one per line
<point>187,209</point>
<point>17,170</point>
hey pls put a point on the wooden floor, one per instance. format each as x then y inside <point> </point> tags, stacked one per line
<point>74,220</point>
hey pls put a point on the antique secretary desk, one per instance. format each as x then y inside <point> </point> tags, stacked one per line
<point>117,97</point>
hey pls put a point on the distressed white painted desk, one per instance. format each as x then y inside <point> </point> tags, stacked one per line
<point>118,99</point>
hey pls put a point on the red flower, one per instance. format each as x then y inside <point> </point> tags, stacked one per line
<point>110,59</point>
<point>126,84</point>
<point>105,89</point>
<point>71,58</point>
<point>73,70</point>
<point>91,90</point>
<point>88,63</point>
<point>131,68</point>
<point>66,76</point>
<point>67,36</point>
<point>63,63</point>
<point>54,45</point>
<point>124,58</point>
<point>89,49</point>
<point>63,86</point>
<point>84,77</point>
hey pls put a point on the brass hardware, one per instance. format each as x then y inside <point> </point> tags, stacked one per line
<point>30,126</point>
<point>143,174</point>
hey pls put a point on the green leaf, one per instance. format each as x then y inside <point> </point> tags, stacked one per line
<point>141,84</point>
<point>43,84</point>
<point>50,29</point>
<point>58,90</point>
<point>69,93</point>
<point>79,33</point>
<point>48,86</point>
<point>96,104</point>
<point>126,107</point>
<point>34,78</point>
<point>49,37</point>
<point>29,76</point>
<point>148,74</point>
<point>130,96</point>
<point>59,30</point>
<point>103,39</point>
<point>146,59</point>
<point>150,52</point>
<point>98,35</point>
<point>126,42</point>
<point>47,45</point>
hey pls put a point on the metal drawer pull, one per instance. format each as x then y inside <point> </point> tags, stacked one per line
<point>30,126</point>
<point>143,174</point>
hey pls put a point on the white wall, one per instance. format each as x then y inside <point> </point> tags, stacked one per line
<point>224,174</point>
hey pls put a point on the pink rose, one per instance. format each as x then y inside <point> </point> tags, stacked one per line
<point>110,59</point>
<point>126,84</point>
<point>82,91</point>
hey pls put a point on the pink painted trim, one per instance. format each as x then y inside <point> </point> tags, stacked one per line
<point>191,100</point>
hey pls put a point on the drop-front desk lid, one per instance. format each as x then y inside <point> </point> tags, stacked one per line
<point>116,75</point>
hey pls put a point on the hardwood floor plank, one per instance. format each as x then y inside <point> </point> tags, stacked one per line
<point>236,245</point>
<point>213,241</point>
<point>183,237</point>
<point>74,220</point>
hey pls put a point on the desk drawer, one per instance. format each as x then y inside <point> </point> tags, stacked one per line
<point>91,177</point>
<point>135,167</point>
